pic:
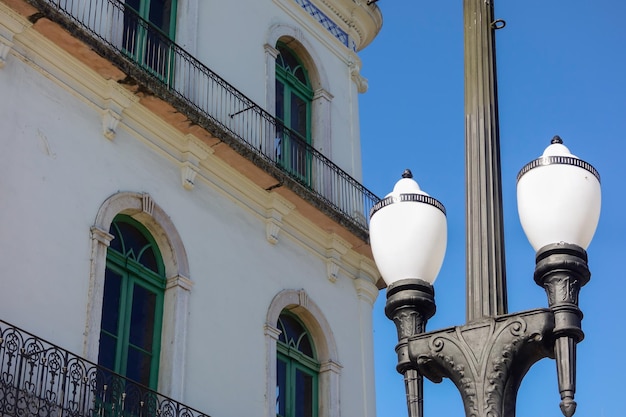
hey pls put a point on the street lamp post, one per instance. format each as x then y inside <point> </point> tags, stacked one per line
<point>559,207</point>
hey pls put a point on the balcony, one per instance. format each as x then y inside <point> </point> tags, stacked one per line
<point>38,378</point>
<point>162,68</point>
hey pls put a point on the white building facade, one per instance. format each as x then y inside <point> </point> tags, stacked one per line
<point>203,236</point>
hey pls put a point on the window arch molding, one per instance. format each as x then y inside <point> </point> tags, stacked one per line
<point>297,42</point>
<point>300,304</point>
<point>141,207</point>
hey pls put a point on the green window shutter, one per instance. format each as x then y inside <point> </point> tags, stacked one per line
<point>149,26</point>
<point>132,308</point>
<point>294,97</point>
<point>297,370</point>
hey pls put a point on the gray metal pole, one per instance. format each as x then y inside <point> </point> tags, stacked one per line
<point>485,268</point>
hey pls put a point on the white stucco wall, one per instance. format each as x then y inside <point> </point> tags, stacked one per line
<point>57,169</point>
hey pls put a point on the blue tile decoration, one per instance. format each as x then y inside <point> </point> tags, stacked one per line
<point>328,23</point>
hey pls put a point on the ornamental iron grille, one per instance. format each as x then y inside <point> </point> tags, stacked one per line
<point>172,74</point>
<point>296,370</point>
<point>38,378</point>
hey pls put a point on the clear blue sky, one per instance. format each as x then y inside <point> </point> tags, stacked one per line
<point>561,70</point>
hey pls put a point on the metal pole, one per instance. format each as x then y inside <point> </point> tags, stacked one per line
<point>485,268</point>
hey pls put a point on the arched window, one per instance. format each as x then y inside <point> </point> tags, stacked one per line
<point>132,307</point>
<point>293,110</point>
<point>297,370</point>
<point>148,25</point>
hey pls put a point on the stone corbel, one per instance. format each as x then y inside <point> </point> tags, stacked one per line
<point>360,81</point>
<point>332,270</point>
<point>272,229</point>
<point>337,248</point>
<point>279,207</point>
<point>117,99</point>
<point>11,24</point>
<point>188,173</point>
<point>110,120</point>
<point>194,152</point>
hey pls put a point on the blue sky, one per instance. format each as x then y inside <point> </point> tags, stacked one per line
<point>561,70</point>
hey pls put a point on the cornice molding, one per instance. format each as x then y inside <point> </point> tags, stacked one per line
<point>11,24</point>
<point>356,17</point>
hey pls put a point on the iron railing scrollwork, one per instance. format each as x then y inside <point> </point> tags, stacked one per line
<point>140,48</point>
<point>38,378</point>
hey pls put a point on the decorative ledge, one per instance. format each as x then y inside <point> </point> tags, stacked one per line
<point>11,24</point>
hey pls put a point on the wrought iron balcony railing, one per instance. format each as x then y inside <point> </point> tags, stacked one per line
<point>40,379</point>
<point>168,71</point>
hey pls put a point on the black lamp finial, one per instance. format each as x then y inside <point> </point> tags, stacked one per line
<point>556,139</point>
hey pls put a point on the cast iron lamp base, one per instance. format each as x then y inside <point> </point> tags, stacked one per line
<point>488,358</point>
<point>562,270</point>
<point>410,303</point>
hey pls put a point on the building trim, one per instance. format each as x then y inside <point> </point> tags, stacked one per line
<point>144,209</point>
<point>300,304</point>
